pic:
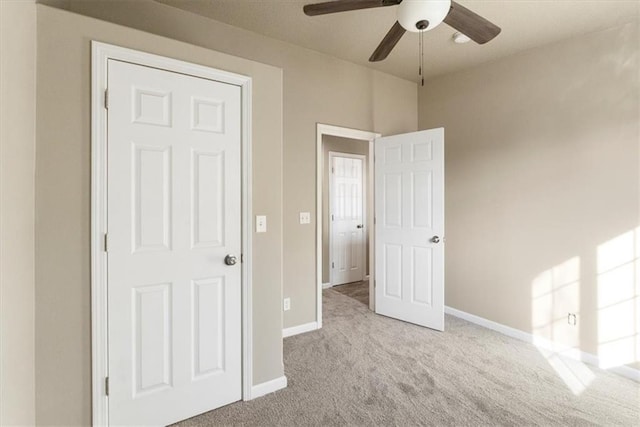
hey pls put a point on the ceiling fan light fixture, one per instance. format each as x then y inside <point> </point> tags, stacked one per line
<point>412,14</point>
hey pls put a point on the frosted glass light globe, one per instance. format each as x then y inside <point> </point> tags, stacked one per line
<point>410,12</point>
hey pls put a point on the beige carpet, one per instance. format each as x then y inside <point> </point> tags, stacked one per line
<point>364,369</point>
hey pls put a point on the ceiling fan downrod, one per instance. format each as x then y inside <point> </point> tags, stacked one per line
<point>421,55</point>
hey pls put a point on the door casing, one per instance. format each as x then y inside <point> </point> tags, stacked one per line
<point>100,54</point>
<point>321,130</point>
<point>365,190</point>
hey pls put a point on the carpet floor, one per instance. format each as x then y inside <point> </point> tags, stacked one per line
<point>366,369</point>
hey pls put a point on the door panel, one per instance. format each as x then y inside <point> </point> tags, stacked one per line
<point>347,218</point>
<point>152,338</point>
<point>173,215</point>
<point>409,207</point>
<point>208,326</point>
<point>207,188</point>
<point>152,198</point>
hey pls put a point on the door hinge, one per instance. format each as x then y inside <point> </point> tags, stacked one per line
<point>106,99</point>
<point>106,386</point>
<point>374,284</point>
<point>333,170</point>
<point>106,242</point>
<point>333,265</point>
<point>241,258</point>
<point>332,218</point>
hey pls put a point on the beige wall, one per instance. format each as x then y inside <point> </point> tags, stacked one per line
<point>17,161</point>
<point>317,89</point>
<point>342,145</point>
<point>63,340</point>
<point>542,170</point>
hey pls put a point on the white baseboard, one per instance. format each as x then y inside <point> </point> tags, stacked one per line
<point>542,343</point>
<point>300,329</point>
<point>268,387</point>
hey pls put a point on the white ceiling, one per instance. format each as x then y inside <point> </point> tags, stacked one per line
<point>354,35</point>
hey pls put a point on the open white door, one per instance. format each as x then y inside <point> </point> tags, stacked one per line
<point>174,233</point>
<point>409,214</point>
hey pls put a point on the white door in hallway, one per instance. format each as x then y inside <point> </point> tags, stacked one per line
<point>174,201</point>
<point>347,203</point>
<point>409,217</point>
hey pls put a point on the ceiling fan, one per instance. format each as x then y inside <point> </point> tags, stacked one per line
<point>415,16</point>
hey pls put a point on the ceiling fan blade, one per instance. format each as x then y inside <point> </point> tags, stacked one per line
<point>471,24</point>
<point>345,6</point>
<point>388,43</point>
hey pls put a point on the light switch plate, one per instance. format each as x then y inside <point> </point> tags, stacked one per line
<point>261,223</point>
<point>305,218</point>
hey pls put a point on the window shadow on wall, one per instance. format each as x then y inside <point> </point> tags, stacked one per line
<point>555,295</point>
<point>619,300</point>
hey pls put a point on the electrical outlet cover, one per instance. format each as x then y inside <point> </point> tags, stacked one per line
<point>305,218</point>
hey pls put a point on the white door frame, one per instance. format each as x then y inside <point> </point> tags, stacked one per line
<point>100,54</point>
<point>365,199</point>
<point>321,130</point>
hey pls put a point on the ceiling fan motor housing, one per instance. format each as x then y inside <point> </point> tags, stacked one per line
<point>422,15</point>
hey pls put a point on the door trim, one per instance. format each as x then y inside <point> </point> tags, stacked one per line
<point>100,54</point>
<point>365,199</point>
<point>324,129</point>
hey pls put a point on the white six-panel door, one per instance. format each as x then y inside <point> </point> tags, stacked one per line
<point>409,213</point>
<point>347,218</point>
<point>174,214</point>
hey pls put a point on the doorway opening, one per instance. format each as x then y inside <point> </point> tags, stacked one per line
<point>348,256</point>
<point>409,222</point>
